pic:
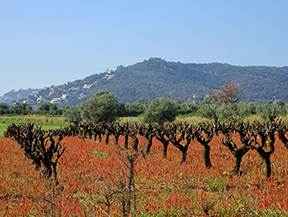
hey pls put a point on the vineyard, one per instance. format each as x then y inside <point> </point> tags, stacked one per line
<point>112,169</point>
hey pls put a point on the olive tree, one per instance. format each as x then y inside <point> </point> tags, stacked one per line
<point>209,111</point>
<point>188,108</point>
<point>47,107</point>
<point>246,109</point>
<point>20,108</point>
<point>136,108</point>
<point>271,110</point>
<point>227,111</point>
<point>101,107</point>
<point>72,114</point>
<point>161,110</point>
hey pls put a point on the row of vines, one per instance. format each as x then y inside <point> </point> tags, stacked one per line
<point>44,148</point>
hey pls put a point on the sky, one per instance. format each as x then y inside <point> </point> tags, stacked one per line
<point>50,42</point>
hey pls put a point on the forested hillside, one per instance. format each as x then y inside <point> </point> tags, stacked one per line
<point>17,95</point>
<point>156,77</point>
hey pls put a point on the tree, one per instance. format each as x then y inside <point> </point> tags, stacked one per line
<point>271,110</point>
<point>188,108</point>
<point>227,93</point>
<point>4,108</point>
<point>47,107</point>
<point>65,107</point>
<point>136,108</point>
<point>22,108</point>
<point>209,111</point>
<point>72,114</point>
<point>227,111</point>
<point>101,107</point>
<point>246,109</point>
<point>210,99</point>
<point>161,109</point>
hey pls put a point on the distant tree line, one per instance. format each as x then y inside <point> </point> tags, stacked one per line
<point>220,105</point>
<point>24,109</point>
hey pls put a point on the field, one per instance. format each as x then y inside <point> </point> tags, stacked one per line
<point>47,122</point>
<point>90,176</point>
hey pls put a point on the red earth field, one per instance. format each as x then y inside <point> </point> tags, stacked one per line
<point>89,172</point>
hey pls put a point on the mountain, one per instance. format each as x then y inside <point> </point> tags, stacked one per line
<point>156,77</point>
<point>17,95</point>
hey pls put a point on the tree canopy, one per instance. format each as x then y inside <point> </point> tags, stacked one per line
<point>227,93</point>
<point>271,110</point>
<point>72,115</point>
<point>136,108</point>
<point>4,108</point>
<point>47,107</point>
<point>101,107</point>
<point>161,109</point>
<point>20,108</point>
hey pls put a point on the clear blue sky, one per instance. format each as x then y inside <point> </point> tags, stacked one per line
<point>50,42</point>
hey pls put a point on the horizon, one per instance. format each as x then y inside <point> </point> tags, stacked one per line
<point>51,43</point>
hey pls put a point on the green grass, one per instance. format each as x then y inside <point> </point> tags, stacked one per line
<point>3,127</point>
<point>47,122</point>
